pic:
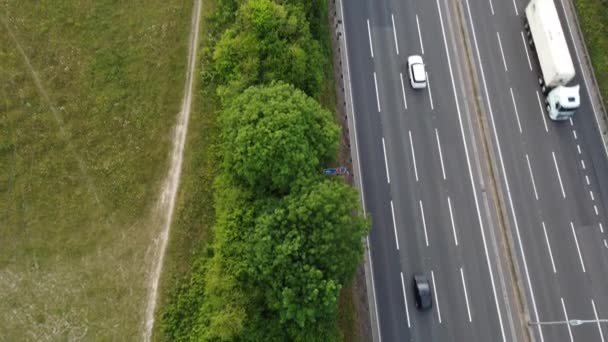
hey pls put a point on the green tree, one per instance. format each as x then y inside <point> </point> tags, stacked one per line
<point>274,136</point>
<point>268,42</point>
<point>304,251</point>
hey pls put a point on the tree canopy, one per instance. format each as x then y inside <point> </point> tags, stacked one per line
<point>274,135</point>
<point>268,42</point>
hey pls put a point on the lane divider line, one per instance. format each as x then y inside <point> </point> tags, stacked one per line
<point>395,34</point>
<point>419,34</point>
<point>407,312</point>
<point>567,319</point>
<point>394,225</point>
<point>504,61</point>
<point>542,112</point>
<point>516,112</point>
<point>559,177</point>
<point>599,327</point>
<point>578,248</point>
<point>523,40</point>
<point>377,94</point>
<point>532,177</point>
<point>403,90</point>
<point>440,154</point>
<point>388,176</point>
<point>452,220</point>
<point>413,155</point>
<point>436,298</point>
<point>549,248</point>
<point>426,236</point>
<point>466,296</point>
<point>371,45</point>
<point>516,11</point>
<point>428,87</point>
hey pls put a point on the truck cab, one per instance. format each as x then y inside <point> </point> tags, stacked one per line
<point>562,102</point>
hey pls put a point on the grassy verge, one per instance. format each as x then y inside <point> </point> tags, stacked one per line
<point>89,94</point>
<point>593,16</point>
<point>194,211</point>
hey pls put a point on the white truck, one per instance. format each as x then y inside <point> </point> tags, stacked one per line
<point>546,37</point>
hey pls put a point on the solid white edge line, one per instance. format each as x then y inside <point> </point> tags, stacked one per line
<point>440,154</point>
<point>599,327</point>
<point>549,248</point>
<point>595,113</point>
<point>419,34</point>
<point>466,296</point>
<point>452,220</point>
<point>403,90</point>
<point>395,34</point>
<point>506,184</point>
<point>407,311</point>
<point>523,39</point>
<point>388,176</point>
<point>504,61</point>
<point>436,298</point>
<point>559,177</point>
<point>567,319</point>
<point>578,249</point>
<point>532,177</point>
<point>349,98</point>
<point>369,33</point>
<point>428,87</point>
<point>542,112</point>
<point>426,236</point>
<point>377,94</point>
<point>515,107</point>
<point>413,155</point>
<point>394,225</point>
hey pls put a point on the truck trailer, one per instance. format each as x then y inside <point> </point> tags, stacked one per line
<point>546,38</point>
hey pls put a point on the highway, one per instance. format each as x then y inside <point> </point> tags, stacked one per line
<point>422,181</point>
<point>426,181</point>
<point>553,175</point>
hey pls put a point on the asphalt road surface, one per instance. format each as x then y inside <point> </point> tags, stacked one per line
<point>426,187</point>
<point>554,175</point>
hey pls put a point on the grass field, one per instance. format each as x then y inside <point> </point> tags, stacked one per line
<point>593,16</point>
<point>89,93</point>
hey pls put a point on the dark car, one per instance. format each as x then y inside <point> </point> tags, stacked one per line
<point>422,291</point>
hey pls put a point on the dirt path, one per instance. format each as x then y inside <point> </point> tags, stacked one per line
<point>171,183</point>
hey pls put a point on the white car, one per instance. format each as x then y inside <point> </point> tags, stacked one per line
<point>417,72</point>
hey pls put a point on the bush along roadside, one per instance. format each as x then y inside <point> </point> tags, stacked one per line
<point>286,239</point>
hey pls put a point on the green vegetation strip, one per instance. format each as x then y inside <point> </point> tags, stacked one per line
<point>593,16</point>
<point>286,240</point>
<point>82,155</point>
